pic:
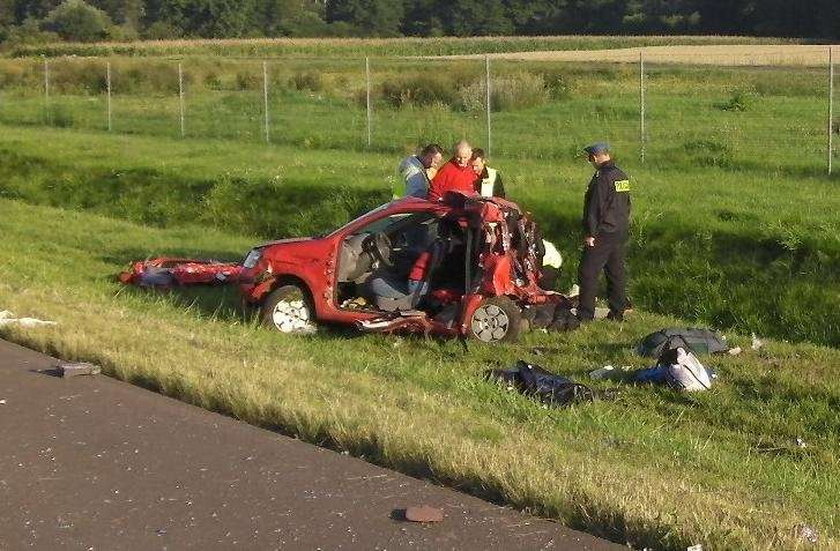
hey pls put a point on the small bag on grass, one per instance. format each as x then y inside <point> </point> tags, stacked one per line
<point>695,340</point>
<point>551,389</point>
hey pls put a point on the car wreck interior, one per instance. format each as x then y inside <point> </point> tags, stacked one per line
<point>387,249</point>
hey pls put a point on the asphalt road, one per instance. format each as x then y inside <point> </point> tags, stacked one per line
<point>90,462</point>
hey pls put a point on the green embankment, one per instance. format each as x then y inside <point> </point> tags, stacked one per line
<point>654,467</point>
<point>729,249</point>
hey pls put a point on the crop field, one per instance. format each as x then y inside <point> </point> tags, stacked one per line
<point>352,47</point>
<point>735,226</point>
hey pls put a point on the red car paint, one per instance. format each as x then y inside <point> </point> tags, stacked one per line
<point>500,270</point>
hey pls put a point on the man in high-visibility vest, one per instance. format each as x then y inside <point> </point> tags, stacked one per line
<point>413,178</point>
<point>489,181</point>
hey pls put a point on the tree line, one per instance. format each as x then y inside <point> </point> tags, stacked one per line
<point>28,21</point>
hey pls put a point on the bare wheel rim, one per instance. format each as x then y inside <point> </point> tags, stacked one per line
<point>290,315</point>
<point>490,323</point>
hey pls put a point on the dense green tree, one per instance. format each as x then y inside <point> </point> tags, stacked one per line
<point>123,12</point>
<point>422,18</point>
<point>205,18</point>
<point>233,18</point>
<point>290,18</point>
<point>78,21</point>
<point>369,17</point>
<point>477,17</point>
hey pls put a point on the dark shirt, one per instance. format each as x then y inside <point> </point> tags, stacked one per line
<point>606,207</point>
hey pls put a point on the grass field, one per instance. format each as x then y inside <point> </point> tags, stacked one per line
<point>654,468</point>
<point>709,245</point>
<point>735,226</point>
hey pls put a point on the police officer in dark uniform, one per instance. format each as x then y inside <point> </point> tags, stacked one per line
<point>606,217</point>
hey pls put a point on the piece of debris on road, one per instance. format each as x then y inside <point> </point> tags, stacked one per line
<point>423,513</point>
<point>73,369</point>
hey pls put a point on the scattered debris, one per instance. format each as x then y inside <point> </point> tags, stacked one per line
<point>691,339</point>
<point>806,533</point>
<point>73,369</point>
<point>756,342</point>
<point>3,402</point>
<point>423,513</point>
<point>169,271</point>
<point>696,547</point>
<point>679,369</point>
<point>602,373</point>
<point>7,318</point>
<point>735,351</point>
<point>551,389</point>
<point>800,442</point>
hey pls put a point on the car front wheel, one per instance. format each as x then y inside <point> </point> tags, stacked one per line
<point>496,319</point>
<point>288,309</point>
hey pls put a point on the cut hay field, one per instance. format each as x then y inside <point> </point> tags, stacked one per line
<point>754,55</point>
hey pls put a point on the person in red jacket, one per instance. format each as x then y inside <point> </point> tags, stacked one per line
<point>456,175</point>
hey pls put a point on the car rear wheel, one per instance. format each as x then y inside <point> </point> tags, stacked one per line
<point>496,319</point>
<point>288,309</point>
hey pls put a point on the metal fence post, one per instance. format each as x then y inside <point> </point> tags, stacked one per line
<point>108,97</point>
<point>830,108</point>
<point>181,98</point>
<point>265,100</point>
<point>367,101</point>
<point>47,91</point>
<point>487,100</point>
<point>642,137</point>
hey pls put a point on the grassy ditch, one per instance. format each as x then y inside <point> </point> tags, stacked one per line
<point>654,468</point>
<point>732,250</point>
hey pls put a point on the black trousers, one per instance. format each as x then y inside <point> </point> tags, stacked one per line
<point>608,254</point>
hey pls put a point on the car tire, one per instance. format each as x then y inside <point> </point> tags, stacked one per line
<point>496,319</point>
<point>288,309</point>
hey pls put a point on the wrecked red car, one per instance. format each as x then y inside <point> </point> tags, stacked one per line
<point>465,266</point>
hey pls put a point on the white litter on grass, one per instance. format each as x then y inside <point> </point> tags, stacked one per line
<point>806,533</point>
<point>6,318</point>
<point>697,547</point>
<point>756,342</point>
<point>735,351</point>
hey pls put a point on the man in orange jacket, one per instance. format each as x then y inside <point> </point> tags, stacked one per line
<point>456,175</point>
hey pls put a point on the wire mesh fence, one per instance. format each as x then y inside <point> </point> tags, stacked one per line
<point>714,110</point>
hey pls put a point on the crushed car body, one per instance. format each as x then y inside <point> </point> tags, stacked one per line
<point>464,266</point>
